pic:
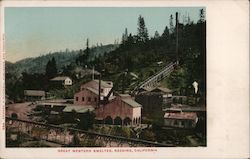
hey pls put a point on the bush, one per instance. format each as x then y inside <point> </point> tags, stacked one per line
<point>122,131</point>
<point>147,135</point>
<point>14,115</point>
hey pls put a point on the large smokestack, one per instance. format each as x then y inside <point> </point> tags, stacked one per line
<point>176,27</point>
<point>99,91</point>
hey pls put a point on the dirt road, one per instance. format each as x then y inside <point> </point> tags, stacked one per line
<point>21,109</point>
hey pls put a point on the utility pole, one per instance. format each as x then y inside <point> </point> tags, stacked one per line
<point>93,73</point>
<point>176,27</point>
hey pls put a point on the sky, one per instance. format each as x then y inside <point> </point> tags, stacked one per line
<point>35,31</point>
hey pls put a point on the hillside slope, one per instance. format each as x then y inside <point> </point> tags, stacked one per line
<point>63,58</point>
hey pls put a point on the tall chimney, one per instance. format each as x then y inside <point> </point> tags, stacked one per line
<point>176,27</point>
<point>99,91</point>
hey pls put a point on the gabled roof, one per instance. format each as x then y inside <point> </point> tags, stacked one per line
<point>60,78</point>
<point>148,89</point>
<point>131,102</point>
<point>93,90</point>
<point>34,93</point>
<point>96,92</point>
<point>105,84</point>
<point>163,89</point>
<point>78,108</point>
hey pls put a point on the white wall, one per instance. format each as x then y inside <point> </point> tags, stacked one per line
<point>137,112</point>
<point>68,81</point>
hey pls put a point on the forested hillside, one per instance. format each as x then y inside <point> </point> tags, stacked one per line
<point>140,55</point>
<point>63,58</point>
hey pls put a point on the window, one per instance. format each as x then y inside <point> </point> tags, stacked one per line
<point>182,123</point>
<point>89,99</point>
<point>175,122</point>
<point>95,99</point>
<point>76,98</point>
<point>102,90</point>
<point>190,123</point>
<point>83,99</point>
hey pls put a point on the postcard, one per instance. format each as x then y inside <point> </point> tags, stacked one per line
<point>123,79</point>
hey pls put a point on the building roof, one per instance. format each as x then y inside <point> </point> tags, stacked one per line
<point>105,84</point>
<point>60,78</point>
<point>124,95</point>
<point>78,108</point>
<point>131,102</point>
<point>182,115</point>
<point>148,89</point>
<point>93,90</point>
<point>34,93</point>
<point>55,101</point>
<point>163,89</point>
<point>185,108</point>
<point>52,104</point>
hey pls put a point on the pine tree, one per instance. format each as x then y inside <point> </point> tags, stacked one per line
<point>142,30</point>
<point>202,16</point>
<point>171,24</point>
<point>165,33</point>
<point>130,40</point>
<point>51,69</point>
<point>87,48</point>
<point>85,55</point>
<point>47,71</point>
<point>126,34</point>
<point>157,35</point>
<point>188,20</point>
<point>123,38</point>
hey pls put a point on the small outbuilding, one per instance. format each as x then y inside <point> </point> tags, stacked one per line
<point>34,95</point>
<point>62,80</point>
<point>179,119</point>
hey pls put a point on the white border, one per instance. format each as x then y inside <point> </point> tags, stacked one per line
<point>227,82</point>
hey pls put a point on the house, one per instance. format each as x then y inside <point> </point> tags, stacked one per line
<point>121,110</point>
<point>89,92</point>
<point>106,86</point>
<point>62,80</point>
<point>34,95</point>
<point>87,96</point>
<point>179,119</point>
